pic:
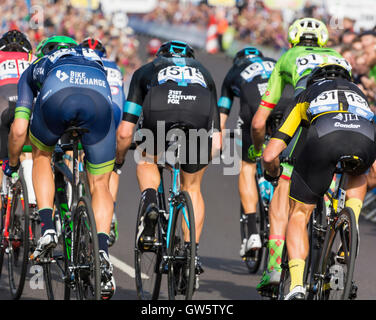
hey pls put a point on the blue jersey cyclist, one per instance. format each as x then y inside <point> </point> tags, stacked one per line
<point>115,80</point>
<point>71,88</point>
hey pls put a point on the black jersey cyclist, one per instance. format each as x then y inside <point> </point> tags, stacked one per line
<point>247,79</point>
<point>340,123</point>
<point>173,88</point>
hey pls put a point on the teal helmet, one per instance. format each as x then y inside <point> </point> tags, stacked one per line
<point>54,43</point>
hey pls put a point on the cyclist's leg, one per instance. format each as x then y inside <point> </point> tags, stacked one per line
<point>191,182</point>
<point>247,182</point>
<point>356,190</point>
<point>148,179</point>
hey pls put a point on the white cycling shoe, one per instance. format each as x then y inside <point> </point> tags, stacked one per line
<point>297,293</point>
<point>45,242</point>
<point>253,243</point>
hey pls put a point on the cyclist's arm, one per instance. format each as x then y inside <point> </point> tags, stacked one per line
<point>131,112</point>
<point>269,100</point>
<point>226,99</point>
<point>18,131</point>
<point>282,138</point>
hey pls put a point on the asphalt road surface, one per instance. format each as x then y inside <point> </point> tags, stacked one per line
<point>225,276</point>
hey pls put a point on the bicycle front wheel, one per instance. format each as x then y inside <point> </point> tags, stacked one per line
<point>86,252</point>
<point>181,250</point>
<point>18,242</point>
<point>337,262</point>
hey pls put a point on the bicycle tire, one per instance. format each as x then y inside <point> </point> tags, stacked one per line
<point>334,275</point>
<point>181,263</point>
<point>86,255</point>
<point>18,248</point>
<point>2,239</point>
<point>284,284</point>
<point>254,258</point>
<point>148,279</point>
<point>56,270</point>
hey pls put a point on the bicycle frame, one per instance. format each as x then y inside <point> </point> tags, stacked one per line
<point>174,193</point>
<point>7,204</point>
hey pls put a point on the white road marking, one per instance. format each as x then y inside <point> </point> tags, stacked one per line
<point>126,268</point>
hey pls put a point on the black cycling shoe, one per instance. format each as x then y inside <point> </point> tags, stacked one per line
<point>146,230</point>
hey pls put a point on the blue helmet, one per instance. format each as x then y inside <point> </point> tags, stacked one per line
<point>248,52</point>
<point>176,48</point>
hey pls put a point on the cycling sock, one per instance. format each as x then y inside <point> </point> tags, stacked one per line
<point>356,205</point>
<point>275,245</point>
<point>296,267</point>
<point>45,215</point>
<point>150,196</point>
<point>102,241</point>
<point>251,222</point>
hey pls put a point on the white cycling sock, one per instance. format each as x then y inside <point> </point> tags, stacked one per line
<point>27,166</point>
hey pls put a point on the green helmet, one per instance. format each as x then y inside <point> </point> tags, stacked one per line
<point>308,28</point>
<point>54,43</point>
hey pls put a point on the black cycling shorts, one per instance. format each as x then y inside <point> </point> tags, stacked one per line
<point>328,139</point>
<point>165,106</point>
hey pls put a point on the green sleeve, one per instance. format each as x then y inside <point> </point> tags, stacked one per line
<point>276,84</point>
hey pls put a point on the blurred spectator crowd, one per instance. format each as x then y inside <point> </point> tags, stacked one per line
<point>257,24</point>
<point>57,17</point>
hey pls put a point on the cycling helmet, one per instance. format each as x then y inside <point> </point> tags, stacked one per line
<point>153,46</point>
<point>175,48</point>
<point>15,41</point>
<point>54,43</point>
<point>328,71</point>
<point>94,44</point>
<point>308,29</point>
<point>248,52</point>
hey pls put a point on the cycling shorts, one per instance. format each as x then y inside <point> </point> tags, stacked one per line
<point>327,140</point>
<point>168,104</point>
<point>76,101</point>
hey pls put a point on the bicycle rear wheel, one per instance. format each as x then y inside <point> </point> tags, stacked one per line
<point>86,252</point>
<point>337,262</point>
<point>181,253</point>
<point>148,273</point>
<point>56,269</point>
<point>18,244</point>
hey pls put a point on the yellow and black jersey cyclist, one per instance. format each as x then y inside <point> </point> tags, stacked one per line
<point>339,123</point>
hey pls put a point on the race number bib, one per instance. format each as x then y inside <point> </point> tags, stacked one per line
<point>262,88</point>
<point>114,77</point>
<point>358,105</point>
<point>313,60</point>
<point>183,75</point>
<point>12,68</point>
<point>328,101</point>
<point>264,69</point>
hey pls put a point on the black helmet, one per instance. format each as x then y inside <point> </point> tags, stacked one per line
<point>15,41</point>
<point>248,51</point>
<point>328,71</point>
<point>175,48</point>
<point>94,44</point>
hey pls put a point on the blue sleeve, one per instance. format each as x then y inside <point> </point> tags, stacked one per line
<point>26,93</point>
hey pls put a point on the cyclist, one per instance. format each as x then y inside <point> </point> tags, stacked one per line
<point>15,57</point>
<point>340,123</point>
<point>246,79</point>
<point>173,88</point>
<point>71,88</point>
<point>307,38</point>
<point>115,80</point>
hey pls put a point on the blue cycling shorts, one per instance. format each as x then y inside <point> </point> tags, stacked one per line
<point>77,95</point>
